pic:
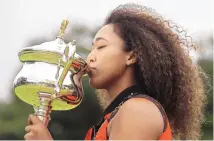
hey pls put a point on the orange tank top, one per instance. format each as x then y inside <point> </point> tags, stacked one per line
<point>101,133</point>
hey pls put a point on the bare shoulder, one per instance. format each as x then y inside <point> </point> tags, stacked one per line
<point>137,118</point>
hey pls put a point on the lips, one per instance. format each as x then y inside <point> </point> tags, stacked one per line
<point>90,70</point>
<point>89,67</point>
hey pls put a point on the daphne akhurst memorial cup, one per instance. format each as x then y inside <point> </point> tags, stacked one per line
<point>51,76</point>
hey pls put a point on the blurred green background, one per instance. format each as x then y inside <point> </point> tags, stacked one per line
<point>73,124</point>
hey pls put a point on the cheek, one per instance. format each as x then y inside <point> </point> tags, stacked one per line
<point>110,68</point>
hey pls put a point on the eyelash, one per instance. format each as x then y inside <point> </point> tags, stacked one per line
<point>100,47</point>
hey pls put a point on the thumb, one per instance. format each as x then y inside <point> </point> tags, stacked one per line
<point>33,119</point>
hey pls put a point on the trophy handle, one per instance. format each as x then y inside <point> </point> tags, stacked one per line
<point>68,57</point>
<point>77,94</point>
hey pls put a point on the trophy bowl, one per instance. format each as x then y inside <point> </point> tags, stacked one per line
<point>50,78</point>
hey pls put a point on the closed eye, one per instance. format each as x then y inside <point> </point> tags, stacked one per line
<point>101,47</point>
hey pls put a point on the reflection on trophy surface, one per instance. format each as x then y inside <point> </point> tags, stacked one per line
<point>50,78</point>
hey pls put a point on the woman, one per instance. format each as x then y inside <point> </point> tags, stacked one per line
<point>155,91</point>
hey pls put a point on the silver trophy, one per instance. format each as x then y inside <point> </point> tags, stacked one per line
<point>50,78</point>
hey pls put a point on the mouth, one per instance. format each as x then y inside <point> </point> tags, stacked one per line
<point>90,70</point>
<point>88,67</point>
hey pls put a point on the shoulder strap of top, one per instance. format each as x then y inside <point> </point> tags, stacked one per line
<point>150,99</point>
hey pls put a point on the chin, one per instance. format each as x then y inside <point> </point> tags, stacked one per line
<point>96,84</point>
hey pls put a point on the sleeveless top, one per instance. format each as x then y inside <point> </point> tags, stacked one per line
<point>99,132</point>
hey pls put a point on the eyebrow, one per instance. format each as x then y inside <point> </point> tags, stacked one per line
<point>99,38</point>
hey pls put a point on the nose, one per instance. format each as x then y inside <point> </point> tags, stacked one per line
<point>90,58</point>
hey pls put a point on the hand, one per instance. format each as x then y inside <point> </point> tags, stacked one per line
<point>36,130</point>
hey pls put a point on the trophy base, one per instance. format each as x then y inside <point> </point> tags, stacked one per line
<point>29,93</point>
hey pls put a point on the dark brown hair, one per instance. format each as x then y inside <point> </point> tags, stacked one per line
<point>164,65</point>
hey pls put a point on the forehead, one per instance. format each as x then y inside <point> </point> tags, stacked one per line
<point>108,33</point>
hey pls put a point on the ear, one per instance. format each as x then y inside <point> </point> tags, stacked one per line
<point>131,58</point>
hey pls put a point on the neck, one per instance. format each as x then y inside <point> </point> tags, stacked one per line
<point>122,83</point>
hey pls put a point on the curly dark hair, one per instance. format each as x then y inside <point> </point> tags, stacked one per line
<point>164,65</point>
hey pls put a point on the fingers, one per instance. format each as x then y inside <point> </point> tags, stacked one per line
<point>33,120</point>
<point>30,132</point>
<point>28,129</point>
<point>28,136</point>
